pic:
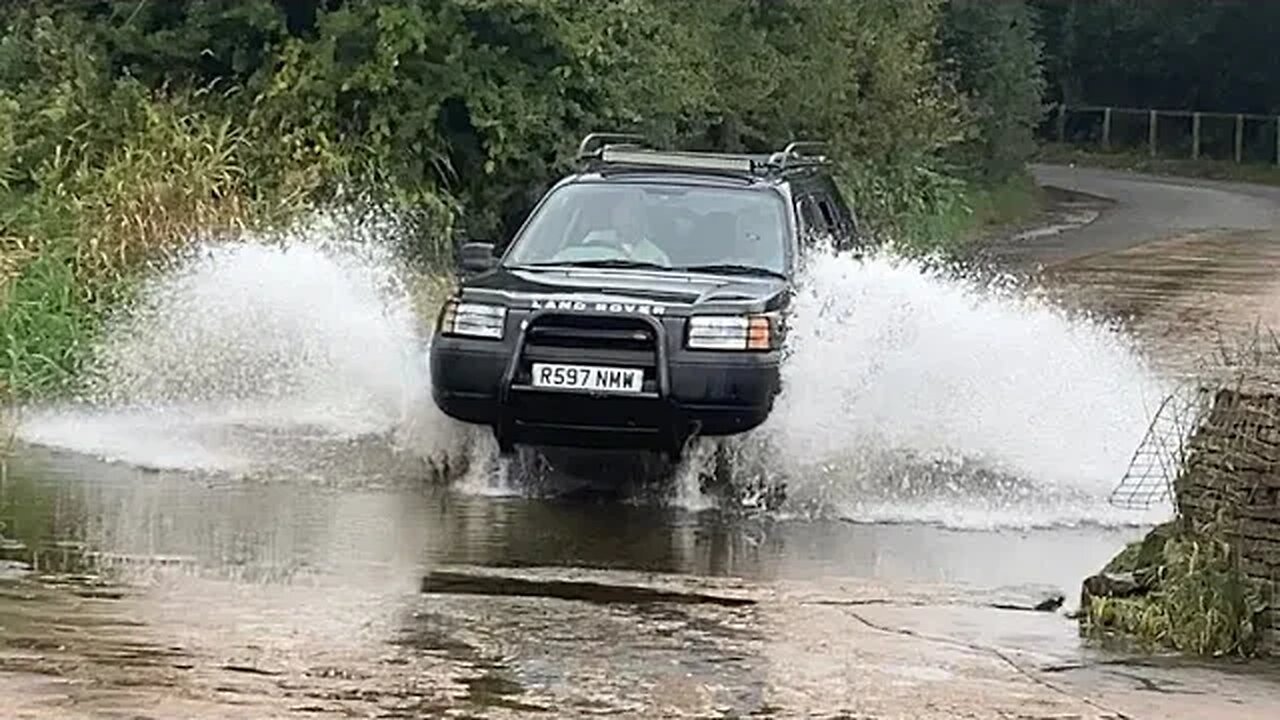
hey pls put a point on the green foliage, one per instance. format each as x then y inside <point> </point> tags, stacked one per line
<point>127,128</point>
<point>1201,602</point>
<point>46,325</point>
<point>473,106</point>
<point>1171,55</point>
<point>930,211</point>
<point>995,53</point>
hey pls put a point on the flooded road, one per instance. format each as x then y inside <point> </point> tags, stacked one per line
<point>127,593</point>
<point>165,595</point>
<point>304,566</point>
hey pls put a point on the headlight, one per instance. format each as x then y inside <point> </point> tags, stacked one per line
<point>473,319</point>
<point>730,332</point>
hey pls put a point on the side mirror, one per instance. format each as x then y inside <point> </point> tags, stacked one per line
<point>477,257</point>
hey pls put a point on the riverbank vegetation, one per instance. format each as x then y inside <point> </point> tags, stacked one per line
<point>1179,588</point>
<point>128,128</point>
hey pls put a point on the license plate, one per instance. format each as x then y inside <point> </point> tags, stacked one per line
<point>588,377</point>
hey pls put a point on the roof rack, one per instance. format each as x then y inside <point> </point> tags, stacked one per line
<point>792,151</point>
<point>673,159</point>
<point>601,139</point>
<point>631,150</point>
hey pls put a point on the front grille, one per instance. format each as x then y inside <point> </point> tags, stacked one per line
<point>591,340</point>
<point>638,337</point>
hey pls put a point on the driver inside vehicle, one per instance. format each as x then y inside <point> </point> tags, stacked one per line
<point>620,231</point>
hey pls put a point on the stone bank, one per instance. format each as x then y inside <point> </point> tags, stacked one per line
<point>1231,478</point>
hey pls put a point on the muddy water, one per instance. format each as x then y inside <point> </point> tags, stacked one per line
<point>127,593</point>
<point>1187,296</point>
<point>339,584</point>
<point>168,595</point>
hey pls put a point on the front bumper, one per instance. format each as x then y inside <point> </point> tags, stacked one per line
<point>685,392</point>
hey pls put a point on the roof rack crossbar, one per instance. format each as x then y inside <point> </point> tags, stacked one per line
<point>595,143</point>
<point>674,159</point>
<point>791,155</point>
<point>795,147</point>
<point>629,149</point>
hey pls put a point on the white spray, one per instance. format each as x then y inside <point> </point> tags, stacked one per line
<point>910,395</point>
<point>254,348</point>
<point>914,395</point>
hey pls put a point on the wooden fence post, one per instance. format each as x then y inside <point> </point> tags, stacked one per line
<point>1195,136</point>
<point>1151,133</point>
<point>1062,123</point>
<point>1239,138</point>
<point>1106,128</point>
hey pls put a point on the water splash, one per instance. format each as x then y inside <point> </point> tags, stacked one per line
<point>917,395</point>
<point>911,395</point>
<point>262,355</point>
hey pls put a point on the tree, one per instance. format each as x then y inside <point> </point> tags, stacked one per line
<point>1210,55</point>
<point>994,51</point>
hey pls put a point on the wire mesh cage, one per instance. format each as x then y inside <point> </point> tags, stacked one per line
<point>1246,366</point>
<point>1162,454</point>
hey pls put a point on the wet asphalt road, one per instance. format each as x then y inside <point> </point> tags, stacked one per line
<point>1136,209</point>
<point>136,594</point>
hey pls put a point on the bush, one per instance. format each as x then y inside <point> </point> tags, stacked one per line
<point>47,324</point>
<point>1198,602</point>
<point>128,129</point>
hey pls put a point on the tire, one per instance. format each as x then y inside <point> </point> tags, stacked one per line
<point>740,476</point>
<point>506,448</point>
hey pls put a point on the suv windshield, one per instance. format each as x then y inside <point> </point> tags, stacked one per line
<point>666,226</point>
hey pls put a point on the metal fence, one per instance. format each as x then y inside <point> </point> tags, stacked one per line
<point>1242,137</point>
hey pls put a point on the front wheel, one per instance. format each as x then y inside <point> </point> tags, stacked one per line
<point>741,475</point>
<point>502,436</point>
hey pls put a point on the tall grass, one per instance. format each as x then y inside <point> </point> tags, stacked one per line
<point>180,176</point>
<point>90,221</point>
<point>46,323</point>
<point>93,221</point>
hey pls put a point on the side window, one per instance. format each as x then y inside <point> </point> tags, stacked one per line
<point>832,232</point>
<point>818,229</point>
<point>829,215</point>
<point>848,225</point>
<point>810,224</point>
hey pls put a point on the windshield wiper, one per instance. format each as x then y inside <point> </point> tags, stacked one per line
<point>613,263</point>
<point>730,268</point>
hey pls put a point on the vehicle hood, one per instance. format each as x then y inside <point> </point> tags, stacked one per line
<point>673,292</point>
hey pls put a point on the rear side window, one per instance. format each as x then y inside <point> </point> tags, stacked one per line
<point>829,216</point>
<point>817,220</point>
<point>845,220</point>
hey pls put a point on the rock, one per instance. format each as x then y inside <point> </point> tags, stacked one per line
<point>1231,482</point>
<point>1114,585</point>
<point>1050,604</point>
